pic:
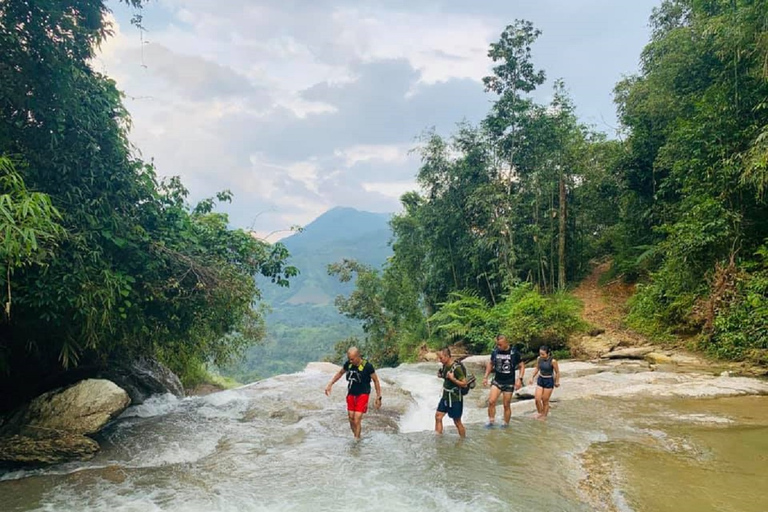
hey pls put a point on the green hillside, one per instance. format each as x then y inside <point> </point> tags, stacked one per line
<point>304,325</point>
<point>336,234</point>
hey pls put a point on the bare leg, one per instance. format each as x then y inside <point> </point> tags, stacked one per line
<point>439,422</point>
<point>539,405</point>
<point>460,427</point>
<point>356,422</point>
<point>545,401</point>
<point>507,401</point>
<point>351,415</point>
<point>492,398</point>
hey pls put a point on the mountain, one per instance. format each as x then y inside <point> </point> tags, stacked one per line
<point>338,233</point>
<point>304,325</point>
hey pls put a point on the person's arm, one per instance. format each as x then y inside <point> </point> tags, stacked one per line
<point>519,379</point>
<point>488,368</point>
<point>556,367</point>
<point>377,385</point>
<point>333,381</point>
<point>460,380</point>
<point>535,371</point>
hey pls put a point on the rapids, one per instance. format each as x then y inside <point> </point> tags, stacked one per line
<point>619,437</point>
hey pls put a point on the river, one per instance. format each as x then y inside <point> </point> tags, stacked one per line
<point>620,438</point>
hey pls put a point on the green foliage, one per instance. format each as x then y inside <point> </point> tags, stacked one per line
<point>28,224</point>
<point>525,316</point>
<point>196,375</point>
<point>534,319</point>
<point>740,327</point>
<point>695,170</point>
<point>129,267</point>
<point>295,335</point>
<point>466,317</point>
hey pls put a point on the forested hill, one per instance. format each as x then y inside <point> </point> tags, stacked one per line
<point>303,324</point>
<point>336,234</point>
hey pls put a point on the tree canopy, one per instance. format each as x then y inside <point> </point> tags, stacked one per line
<point>105,261</point>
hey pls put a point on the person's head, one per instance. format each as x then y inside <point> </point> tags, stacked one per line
<point>444,355</point>
<point>501,342</point>
<point>545,352</point>
<point>353,354</point>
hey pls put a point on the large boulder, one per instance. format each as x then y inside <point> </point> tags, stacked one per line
<point>143,378</point>
<point>80,409</point>
<point>592,347</point>
<point>52,428</point>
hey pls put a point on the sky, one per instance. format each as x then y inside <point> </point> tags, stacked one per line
<point>298,106</point>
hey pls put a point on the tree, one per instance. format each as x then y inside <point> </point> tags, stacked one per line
<point>137,271</point>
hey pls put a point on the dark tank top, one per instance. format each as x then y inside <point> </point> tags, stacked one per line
<point>546,367</point>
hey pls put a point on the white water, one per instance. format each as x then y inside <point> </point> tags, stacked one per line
<point>281,445</point>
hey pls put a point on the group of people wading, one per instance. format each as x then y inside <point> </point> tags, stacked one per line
<point>508,373</point>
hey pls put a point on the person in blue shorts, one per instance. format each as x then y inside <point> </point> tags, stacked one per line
<point>452,401</point>
<point>549,379</point>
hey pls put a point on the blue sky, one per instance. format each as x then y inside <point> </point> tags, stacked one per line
<point>298,106</point>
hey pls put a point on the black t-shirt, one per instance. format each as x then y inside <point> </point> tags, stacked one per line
<point>359,378</point>
<point>504,363</point>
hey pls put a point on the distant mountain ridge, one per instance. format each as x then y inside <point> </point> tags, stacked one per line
<point>303,324</point>
<point>338,233</point>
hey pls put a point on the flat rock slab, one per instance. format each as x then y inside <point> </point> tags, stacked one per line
<point>51,448</point>
<point>322,367</point>
<point>657,358</point>
<point>628,353</point>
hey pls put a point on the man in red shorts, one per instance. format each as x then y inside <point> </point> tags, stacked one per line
<point>359,374</point>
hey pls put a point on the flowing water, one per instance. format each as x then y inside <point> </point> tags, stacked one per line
<point>619,438</point>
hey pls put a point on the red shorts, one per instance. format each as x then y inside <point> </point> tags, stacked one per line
<point>357,403</point>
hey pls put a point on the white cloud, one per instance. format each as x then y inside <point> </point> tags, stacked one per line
<point>301,105</point>
<point>393,189</point>
<point>392,153</point>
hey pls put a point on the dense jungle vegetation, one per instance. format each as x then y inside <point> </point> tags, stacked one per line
<point>102,261</point>
<point>512,211</point>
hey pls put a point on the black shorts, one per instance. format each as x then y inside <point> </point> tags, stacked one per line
<point>505,387</point>
<point>545,382</point>
<point>454,411</point>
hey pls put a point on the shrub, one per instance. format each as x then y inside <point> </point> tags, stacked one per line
<point>740,327</point>
<point>525,316</point>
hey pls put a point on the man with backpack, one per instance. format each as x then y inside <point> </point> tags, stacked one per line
<point>452,401</point>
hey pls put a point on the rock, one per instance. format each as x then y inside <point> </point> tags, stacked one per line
<point>287,415</point>
<point>430,357</point>
<point>80,409</point>
<point>525,393</point>
<point>322,367</point>
<point>48,448</point>
<point>143,378</point>
<point>656,358</point>
<point>205,389</point>
<point>591,347</point>
<point>689,360</point>
<point>480,360</point>
<point>628,353</point>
